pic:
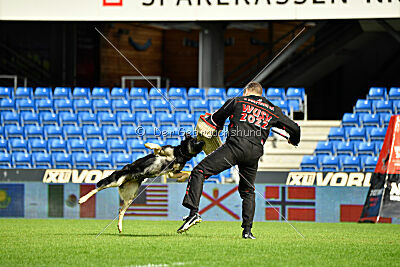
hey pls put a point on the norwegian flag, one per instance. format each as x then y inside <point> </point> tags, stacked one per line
<point>294,203</point>
<point>153,202</point>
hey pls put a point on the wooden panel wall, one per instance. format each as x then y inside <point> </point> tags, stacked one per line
<point>113,66</point>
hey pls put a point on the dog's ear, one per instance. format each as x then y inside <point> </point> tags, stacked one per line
<point>187,135</point>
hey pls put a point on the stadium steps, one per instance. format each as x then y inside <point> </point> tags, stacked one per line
<point>280,156</point>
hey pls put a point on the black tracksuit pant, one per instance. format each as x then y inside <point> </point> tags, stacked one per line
<point>236,151</point>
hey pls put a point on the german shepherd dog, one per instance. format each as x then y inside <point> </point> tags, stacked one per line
<point>168,160</point>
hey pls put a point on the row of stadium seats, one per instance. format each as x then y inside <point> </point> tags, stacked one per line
<point>345,163</point>
<point>143,93</point>
<point>360,135</point>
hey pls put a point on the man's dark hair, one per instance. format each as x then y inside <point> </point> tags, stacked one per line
<point>254,87</point>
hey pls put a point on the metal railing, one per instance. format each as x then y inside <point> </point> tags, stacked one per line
<point>15,78</point>
<point>132,80</point>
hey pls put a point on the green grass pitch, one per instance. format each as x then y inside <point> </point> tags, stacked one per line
<point>59,242</point>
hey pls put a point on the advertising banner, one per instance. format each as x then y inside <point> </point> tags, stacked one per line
<point>196,10</point>
<point>12,200</point>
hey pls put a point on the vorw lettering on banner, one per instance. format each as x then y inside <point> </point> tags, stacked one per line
<point>60,176</point>
<point>394,192</point>
<point>331,179</point>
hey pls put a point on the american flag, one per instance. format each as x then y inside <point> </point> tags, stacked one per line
<point>153,202</point>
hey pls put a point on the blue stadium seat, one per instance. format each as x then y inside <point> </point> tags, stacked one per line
<point>96,145</point>
<point>166,119</point>
<point>324,148</point>
<point>160,105</point>
<point>62,93</point>
<point>34,131</point>
<point>53,131</point>
<point>145,119</point>
<point>103,161</point>
<point>394,93</point>
<point>44,105</point>
<point>81,92</point>
<point>129,131</point>
<point>48,118</point>
<point>112,132</point>
<point>181,105</point>
<point>158,93</point>
<point>121,159</point>
<point>384,106</point>
<point>102,105</point>
<point>295,93</point>
<point>18,144</point>
<point>62,160</point>
<point>121,105</point>
<point>168,132</point>
<point>107,119</point>
<point>93,132</point>
<point>370,164</point>
<point>43,93</point>
<point>10,118</point>
<point>154,141</point>
<point>115,145</point>
<point>30,118</point>
<point>173,141</point>
<point>22,160</point>
<point>140,105</point>
<point>126,119</point>
<point>363,106</point>
<point>276,93</point>
<point>25,104</point>
<point>216,93</point>
<point>234,92</point>
<point>63,105</point>
<point>199,105</point>
<point>377,93</point>
<point>57,145</point>
<point>366,148</point>
<point>396,106</point>
<point>7,104</point>
<point>282,104</point>
<point>330,163</point>
<point>385,118</point>
<point>42,160</point>
<point>186,119</point>
<point>345,148</point>
<point>23,92</point>
<point>3,145</point>
<point>100,93</point>
<point>358,134</point>
<point>378,146</point>
<point>149,131</point>
<point>6,92</point>
<point>135,145</point>
<point>5,160</point>
<point>351,164</point>
<point>294,105</point>
<point>38,145</point>
<point>77,145</point>
<point>67,118</point>
<point>215,104</point>
<point>378,134</point>
<point>139,93</point>
<point>86,118</point>
<point>14,131</point>
<point>73,132</point>
<point>119,93</point>
<point>351,119</point>
<point>310,162</point>
<point>177,93</point>
<point>196,93</point>
<point>83,105</point>
<point>82,160</point>
<point>370,120</point>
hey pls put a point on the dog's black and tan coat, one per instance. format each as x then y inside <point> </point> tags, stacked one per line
<point>168,160</point>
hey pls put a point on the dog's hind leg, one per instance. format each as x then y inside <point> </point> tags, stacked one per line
<point>114,180</point>
<point>127,192</point>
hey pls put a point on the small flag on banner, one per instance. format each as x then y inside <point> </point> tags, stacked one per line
<point>153,202</point>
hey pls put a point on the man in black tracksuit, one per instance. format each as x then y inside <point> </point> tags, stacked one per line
<point>251,117</point>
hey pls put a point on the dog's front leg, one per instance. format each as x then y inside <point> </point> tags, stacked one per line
<point>180,176</point>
